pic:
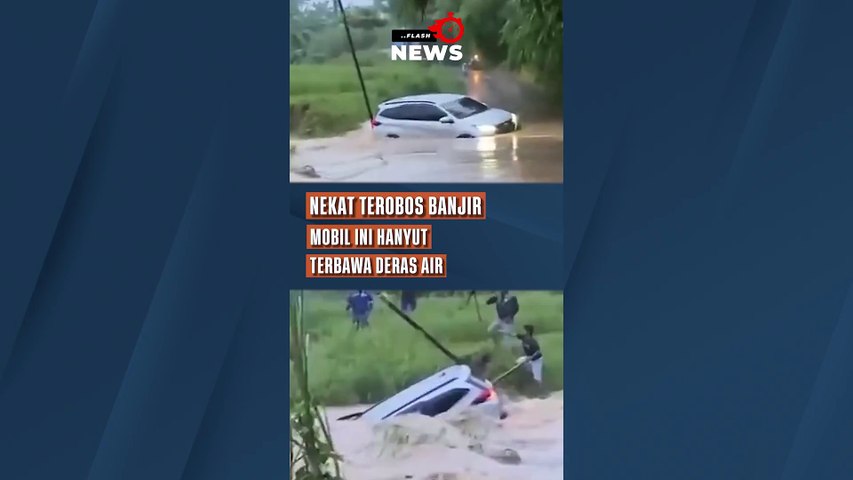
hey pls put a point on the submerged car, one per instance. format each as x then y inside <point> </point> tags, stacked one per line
<point>442,115</point>
<point>451,390</point>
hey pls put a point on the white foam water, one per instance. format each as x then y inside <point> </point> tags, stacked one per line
<point>528,444</point>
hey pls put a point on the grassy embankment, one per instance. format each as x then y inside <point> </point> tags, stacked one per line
<point>349,367</point>
<point>326,99</point>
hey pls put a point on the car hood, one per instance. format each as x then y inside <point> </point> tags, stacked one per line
<point>492,116</point>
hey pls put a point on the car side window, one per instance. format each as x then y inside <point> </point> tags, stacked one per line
<point>429,113</point>
<point>438,404</point>
<point>397,113</point>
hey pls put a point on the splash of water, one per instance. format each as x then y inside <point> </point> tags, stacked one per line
<point>464,447</point>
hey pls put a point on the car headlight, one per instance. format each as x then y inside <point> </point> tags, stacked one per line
<point>487,129</point>
<point>514,118</point>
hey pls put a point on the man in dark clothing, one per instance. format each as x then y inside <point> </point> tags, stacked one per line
<point>479,364</point>
<point>532,353</point>
<point>360,305</point>
<point>408,301</point>
<point>506,307</point>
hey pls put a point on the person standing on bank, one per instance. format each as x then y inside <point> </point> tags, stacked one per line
<point>408,301</point>
<point>506,307</point>
<point>479,364</point>
<point>532,354</point>
<point>360,305</point>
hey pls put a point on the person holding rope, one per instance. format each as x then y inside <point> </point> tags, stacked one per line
<point>532,354</point>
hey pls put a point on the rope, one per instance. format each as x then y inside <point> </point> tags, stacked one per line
<point>355,60</point>
<point>387,301</point>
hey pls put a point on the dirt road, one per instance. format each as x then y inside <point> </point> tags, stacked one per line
<point>534,154</point>
<point>423,448</point>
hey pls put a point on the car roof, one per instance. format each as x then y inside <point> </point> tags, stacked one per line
<point>450,377</point>
<point>434,98</point>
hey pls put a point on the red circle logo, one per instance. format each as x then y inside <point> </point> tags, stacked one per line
<point>445,29</point>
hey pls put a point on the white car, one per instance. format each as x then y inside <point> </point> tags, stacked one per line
<point>441,115</point>
<point>449,391</point>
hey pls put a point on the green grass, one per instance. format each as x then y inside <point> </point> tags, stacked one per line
<point>326,99</point>
<point>350,367</point>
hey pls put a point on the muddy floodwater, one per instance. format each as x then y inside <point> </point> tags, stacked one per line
<point>527,445</point>
<point>533,154</point>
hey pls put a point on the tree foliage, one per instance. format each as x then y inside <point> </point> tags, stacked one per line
<point>533,34</point>
<point>317,34</point>
<point>520,34</point>
<point>524,35</point>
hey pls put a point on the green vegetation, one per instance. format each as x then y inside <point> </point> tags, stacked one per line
<point>349,367</point>
<point>327,99</point>
<point>312,454</point>
<point>522,35</point>
<point>325,93</point>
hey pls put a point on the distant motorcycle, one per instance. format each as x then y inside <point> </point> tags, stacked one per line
<point>475,63</point>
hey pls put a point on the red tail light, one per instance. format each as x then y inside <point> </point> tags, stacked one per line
<point>374,122</point>
<point>485,396</point>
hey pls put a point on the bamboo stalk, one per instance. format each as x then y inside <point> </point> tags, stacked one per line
<point>312,454</point>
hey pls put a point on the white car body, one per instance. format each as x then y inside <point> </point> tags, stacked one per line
<point>451,390</point>
<point>441,115</point>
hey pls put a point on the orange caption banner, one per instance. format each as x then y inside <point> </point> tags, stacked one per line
<point>395,206</point>
<point>376,266</point>
<point>329,237</point>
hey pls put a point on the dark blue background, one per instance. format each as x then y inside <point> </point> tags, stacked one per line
<point>142,194</point>
<point>709,189</point>
<point>143,264</point>
<point>519,245</point>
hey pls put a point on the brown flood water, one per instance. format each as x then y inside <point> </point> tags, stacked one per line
<point>415,447</point>
<point>534,154</point>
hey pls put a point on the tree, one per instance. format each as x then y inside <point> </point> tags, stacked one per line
<point>534,37</point>
<point>365,18</point>
<point>526,34</point>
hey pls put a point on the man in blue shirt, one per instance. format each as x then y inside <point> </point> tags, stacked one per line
<point>360,304</point>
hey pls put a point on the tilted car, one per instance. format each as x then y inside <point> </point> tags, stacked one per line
<point>451,390</point>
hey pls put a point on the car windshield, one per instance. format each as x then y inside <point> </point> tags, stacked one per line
<point>464,107</point>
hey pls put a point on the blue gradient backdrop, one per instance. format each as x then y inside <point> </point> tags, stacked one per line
<point>709,205</point>
<point>707,254</point>
<point>142,190</point>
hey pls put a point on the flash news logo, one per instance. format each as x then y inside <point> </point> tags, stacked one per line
<point>423,45</point>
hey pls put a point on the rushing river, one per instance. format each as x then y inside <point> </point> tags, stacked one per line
<point>527,445</point>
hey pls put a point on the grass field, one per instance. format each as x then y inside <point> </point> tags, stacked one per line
<point>326,99</point>
<point>348,367</point>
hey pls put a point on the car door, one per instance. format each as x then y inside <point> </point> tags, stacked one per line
<point>412,120</point>
<point>394,121</point>
<point>430,124</point>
